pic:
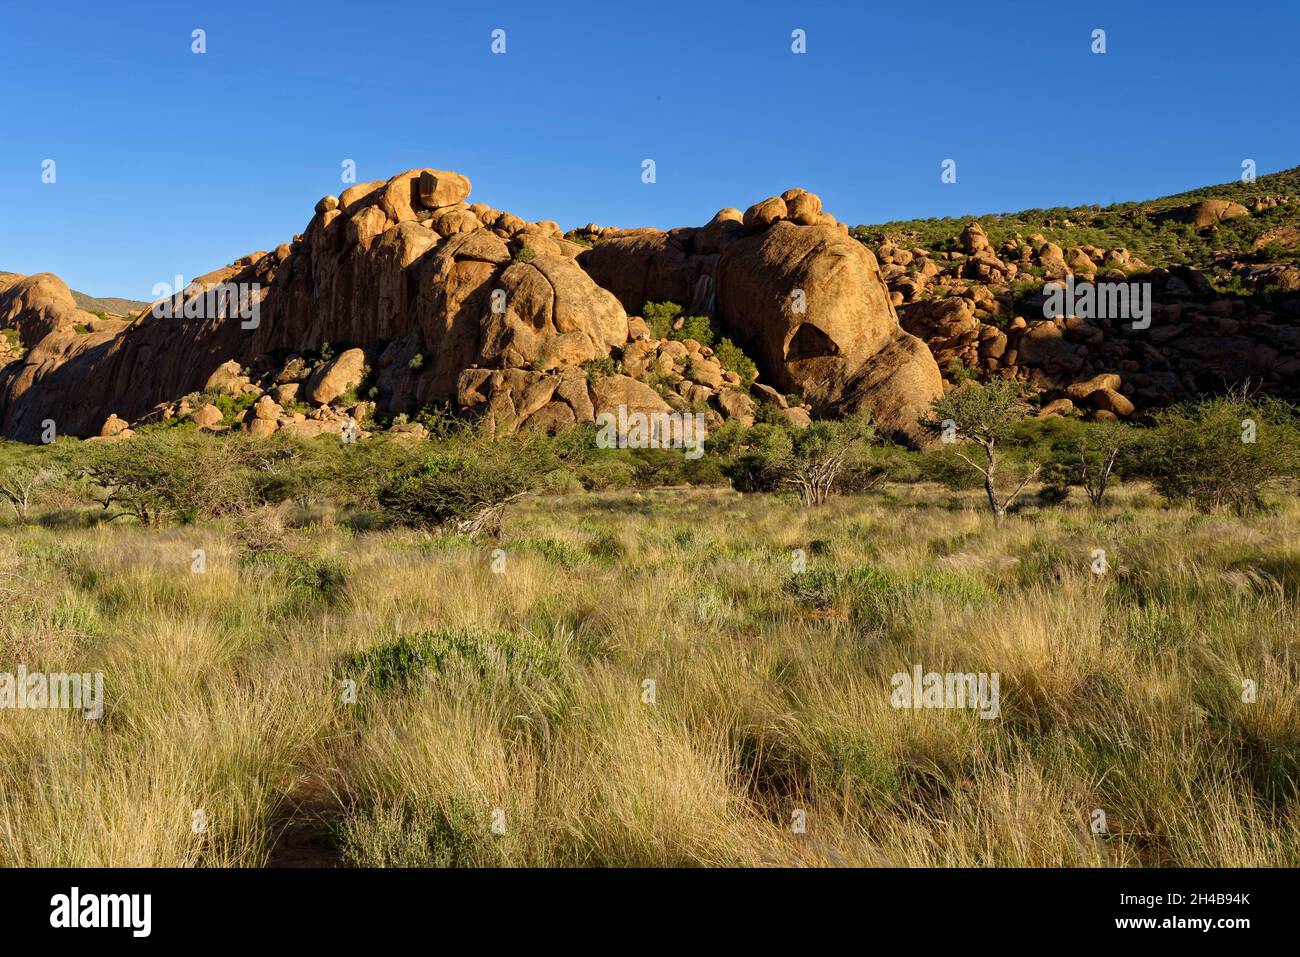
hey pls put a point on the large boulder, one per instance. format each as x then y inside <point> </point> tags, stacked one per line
<point>1207,212</point>
<point>808,303</point>
<point>442,188</point>
<point>345,371</point>
<point>611,392</point>
<point>38,305</point>
<point>642,266</point>
<point>548,312</point>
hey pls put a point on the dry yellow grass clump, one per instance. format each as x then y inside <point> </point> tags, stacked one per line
<point>663,678</point>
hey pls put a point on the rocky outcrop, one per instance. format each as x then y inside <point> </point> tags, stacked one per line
<point>809,303</point>
<point>1207,212</point>
<point>791,287</point>
<point>36,306</point>
<point>981,311</point>
<point>399,293</point>
<point>401,272</point>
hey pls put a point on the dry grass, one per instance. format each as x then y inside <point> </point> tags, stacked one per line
<point>1120,693</point>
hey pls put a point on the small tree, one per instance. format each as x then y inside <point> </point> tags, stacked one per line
<point>811,460</point>
<point>819,453</point>
<point>1096,451</point>
<point>182,475</point>
<point>985,415</point>
<point>20,483</point>
<point>467,484</point>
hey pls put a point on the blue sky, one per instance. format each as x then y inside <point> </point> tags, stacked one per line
<point>170,162</point>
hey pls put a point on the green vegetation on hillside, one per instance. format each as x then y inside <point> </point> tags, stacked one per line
<point>1131,225</point>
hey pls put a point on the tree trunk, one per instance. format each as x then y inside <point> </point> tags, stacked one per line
<point>989,489</point>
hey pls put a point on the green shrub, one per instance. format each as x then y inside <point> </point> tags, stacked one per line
<point>875,594</point>
<point>813,461</point>
<point>231,407</point>
<point>699,328</point>
<point>316,579</point>
<point>1222,452</point>
<point>659,316</point>
<point>600,368</point>
<point>448,832</point>
<point>733,359</point>
<point>466,483</point>
<point>410,657</point>
<point>1056,478</point>
<point>185,475</point>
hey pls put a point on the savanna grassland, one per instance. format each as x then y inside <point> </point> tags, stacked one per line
<point>509,687</point>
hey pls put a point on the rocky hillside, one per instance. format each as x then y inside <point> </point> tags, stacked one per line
<point>1223,264</point>
<point>400,295</point>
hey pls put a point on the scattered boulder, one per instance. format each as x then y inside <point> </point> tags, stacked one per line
<point>112,426</point>
<point>440,188</point>
<point>766,213</point>
<point>345,371</point>
<point>206,416</point>
<point>611,392</point>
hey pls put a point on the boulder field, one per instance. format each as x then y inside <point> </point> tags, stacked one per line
<point>966,304</point>
<point>400,294</point>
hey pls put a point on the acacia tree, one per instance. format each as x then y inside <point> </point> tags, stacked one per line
<point>810,460</point>
<point>20,483</point>
<point>1222,452</point>
<point>818,455</point>
<point>1096,452</point>
<point>466,484</point>
<point>983,415</point>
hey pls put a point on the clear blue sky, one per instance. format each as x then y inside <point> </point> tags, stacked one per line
<point>174,162</point>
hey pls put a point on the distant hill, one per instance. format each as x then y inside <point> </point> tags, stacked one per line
<point>111,305</point>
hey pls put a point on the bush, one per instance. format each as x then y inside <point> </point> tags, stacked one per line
<point>466,483</point>
<point>730,356</point>
<point>599,368</point>
<point>1056,478</point>
<point>352,472</point>
<point>185,476</point>
<point>812,461</point>
<point>944,466</point>
<point>231,407</point>
<point>659,316</point>
<point>25,475</point>
<point>699,328</point>
<point>403,661</point>
<point>308,580</point>
<point>875,595</point>
<point>1222,452</point>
